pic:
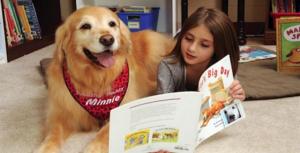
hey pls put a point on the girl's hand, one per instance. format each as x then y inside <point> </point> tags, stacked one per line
<point>236,91</point>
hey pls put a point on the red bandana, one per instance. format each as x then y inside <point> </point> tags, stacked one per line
<point>100,107</point>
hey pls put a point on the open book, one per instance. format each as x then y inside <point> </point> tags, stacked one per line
<point>254,53</point>
<point>179,121</point>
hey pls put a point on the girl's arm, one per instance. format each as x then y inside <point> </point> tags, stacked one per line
<point>165,81</point>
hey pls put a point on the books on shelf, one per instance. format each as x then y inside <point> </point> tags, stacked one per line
<point>18,28</point>
<point>32,18</point>
<point>3,55</point>
<point>10,27</point>
<point>179,121</point>
<point>285,6</point>
<point>21,21</point>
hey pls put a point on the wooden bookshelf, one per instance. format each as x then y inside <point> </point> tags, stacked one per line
<point>28,47</point>
<point>286,11</point>
<point>49,16</point>
<point>270,34</point>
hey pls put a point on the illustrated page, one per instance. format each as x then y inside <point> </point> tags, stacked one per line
<point>167,121</point>
<point>218,109</point>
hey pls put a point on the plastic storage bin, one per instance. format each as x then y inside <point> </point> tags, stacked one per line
<point>137,21</point>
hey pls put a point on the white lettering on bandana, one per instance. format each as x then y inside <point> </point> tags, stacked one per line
<point>100,107</point>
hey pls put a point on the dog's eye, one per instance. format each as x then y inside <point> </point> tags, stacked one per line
<point>112,23</point>
<point>86,26</point>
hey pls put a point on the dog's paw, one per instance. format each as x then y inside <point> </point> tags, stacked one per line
<point>96,147</point>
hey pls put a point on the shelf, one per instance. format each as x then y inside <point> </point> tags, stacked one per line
<point>270,37</point>
<point>269,34</point>
<point>270,28</point>
<point>49,16</point>
<point>28,47</point>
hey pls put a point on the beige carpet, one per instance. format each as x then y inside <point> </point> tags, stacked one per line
<point>261,80</point>
<point>271,126</point>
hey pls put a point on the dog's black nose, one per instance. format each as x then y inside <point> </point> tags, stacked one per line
<point>106,40</point>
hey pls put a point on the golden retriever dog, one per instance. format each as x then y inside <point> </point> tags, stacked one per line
<point>98,65</point>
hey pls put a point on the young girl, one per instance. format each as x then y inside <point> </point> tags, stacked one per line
<point>206,37</point>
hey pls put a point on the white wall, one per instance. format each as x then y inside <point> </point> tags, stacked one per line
<point>66,7</point>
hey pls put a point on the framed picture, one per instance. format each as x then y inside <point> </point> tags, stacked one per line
<point>288,44</point>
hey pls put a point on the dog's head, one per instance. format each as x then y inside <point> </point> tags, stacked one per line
<point>92,36</point>
<point>232,113</point>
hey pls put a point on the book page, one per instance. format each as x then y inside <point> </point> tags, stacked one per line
<point>253,53</point>
<point>166,121</point>
<point>218,109</point>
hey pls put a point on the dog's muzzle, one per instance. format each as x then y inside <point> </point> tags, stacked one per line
<point>107,40</point>
<point>104,59</point>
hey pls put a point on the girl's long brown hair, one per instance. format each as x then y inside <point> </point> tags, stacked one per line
<point>222,29</point>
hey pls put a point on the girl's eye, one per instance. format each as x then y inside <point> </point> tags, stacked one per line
<point>188,38</point>
<point>204,45</point>
<point>86,26</point>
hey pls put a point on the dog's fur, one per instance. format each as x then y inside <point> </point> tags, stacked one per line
<point>82,30</point>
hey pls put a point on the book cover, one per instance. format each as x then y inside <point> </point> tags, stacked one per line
<point>32,18</point>
<point>18,29</point>
<point>27,29</point>
<point>288,44</point>
<point>11,35</point>
<point>24,24</point>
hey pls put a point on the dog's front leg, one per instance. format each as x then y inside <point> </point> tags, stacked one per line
<point>100,143</point>
<point>54,139</point>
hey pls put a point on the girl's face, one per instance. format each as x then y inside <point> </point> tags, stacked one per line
<point>197,46</point>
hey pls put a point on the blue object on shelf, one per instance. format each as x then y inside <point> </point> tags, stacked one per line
<point>137,21</point>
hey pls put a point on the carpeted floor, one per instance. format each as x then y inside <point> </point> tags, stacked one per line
<point>271,126</point>
<point>261,80</point>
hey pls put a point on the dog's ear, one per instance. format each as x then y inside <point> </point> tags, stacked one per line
<point>61,35</point>
<point>125,36</point>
